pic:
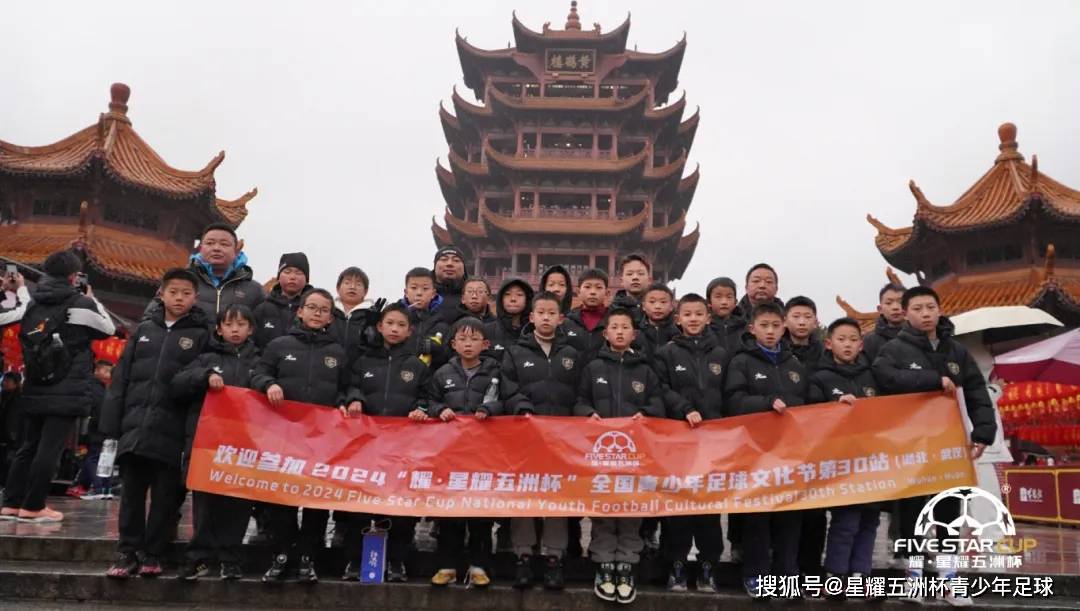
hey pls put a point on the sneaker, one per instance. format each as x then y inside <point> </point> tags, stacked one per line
<point>553,574</point>
<point>395,572</point>
<point>9,513</point>
<point>193,570</point>
<point>278,571</point>
<point>93,496</point>
<point>836,596</point>
<point>477,578</point>
<point>444,577</point>
<point>913,590</point>
<point>752,585</point>
<point>951,598</point>
<point>625,590</point>
<point>604,584</point>
<point>676,581</point>
<point>706,580</point>
<point>126,565</point>
<point>41,516</point>
<point>351,573</point>
<point>305,571</point>
<point>151,567</point>
<point>523,573</point>
<point>231,571</point>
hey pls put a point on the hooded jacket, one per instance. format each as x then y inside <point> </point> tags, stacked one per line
<point>139,407</point>
<point>832,380</point>
<point>451,387</point>
<point>539,383</point>
<point>882,333</point>
<point>355,330</point>
<point>618,386</point>
<point>754,382</point>
<point>693,369</point>
<point>237,286</point>
<point>275,315</point>
<point>568,298</point>
<point>308,365</point>
<point>502,332</point>
<point>911,364</point>
<point>390,382</point>
<point>87,321</point>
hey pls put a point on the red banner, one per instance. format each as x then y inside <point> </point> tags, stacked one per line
<point>815,456</point>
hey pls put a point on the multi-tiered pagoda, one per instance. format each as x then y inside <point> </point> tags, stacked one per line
<point>1013,238</point>
<point>574,155</point>
<point>106,192</point>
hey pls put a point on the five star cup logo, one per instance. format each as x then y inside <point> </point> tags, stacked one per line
<point>614,449</point>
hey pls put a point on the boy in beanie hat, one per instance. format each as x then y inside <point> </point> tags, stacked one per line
<point>274,317</point>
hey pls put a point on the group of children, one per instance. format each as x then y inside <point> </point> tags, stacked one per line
<point>646,355</point>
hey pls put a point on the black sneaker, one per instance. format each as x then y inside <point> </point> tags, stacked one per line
<point>351,573</point>
<point>306,570</point>
<point>553,574</point>
<point>193,570</point>
<point>395,572</point>
<point>706,580</point>
<point>604,584</point>
<point>625,590</point>
<point>231,571</point>
<point>523,573</point>
<point>676,581</point>
<point>126,565</point>
<point>278,571</point>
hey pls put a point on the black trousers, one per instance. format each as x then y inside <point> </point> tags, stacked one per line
<point>681,531</point>
<point>220,524</point>
<point>36,461</point>
<point>452,544</point>
<point>398,539</point>
<point>776,532</point>
<point>306,538</point>
<point>142,531</point>
<point>812,541</point>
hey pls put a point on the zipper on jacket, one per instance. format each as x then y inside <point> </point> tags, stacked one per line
<point>389,373</point>
<point>618,384</point>
<point>310,364</point>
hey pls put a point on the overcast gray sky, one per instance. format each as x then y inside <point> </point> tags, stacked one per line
<point>812,113</point>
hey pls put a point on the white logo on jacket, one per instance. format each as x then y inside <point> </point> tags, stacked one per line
<point>528,364</point>
<point>449,383</point>
<point>143,338</point>
<point>601,381</point>
<point>368,374</point>
<point>268,325</point>
<point>498,347</point>
<point>289,357</point>
<point>760,376</point>
<point>914,366</point>
<point>680,368</point>
<point>838,392</point>
<point>218,369</point>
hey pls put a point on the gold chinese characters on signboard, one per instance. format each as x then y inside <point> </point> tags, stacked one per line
<point>570,60</point>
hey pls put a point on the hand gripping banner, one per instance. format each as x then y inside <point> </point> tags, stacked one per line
<point>815,456</point>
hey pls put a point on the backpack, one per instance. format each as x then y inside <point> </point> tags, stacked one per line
<point>46,359</point>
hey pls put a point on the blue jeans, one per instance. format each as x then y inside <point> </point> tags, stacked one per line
<point>88,477</point>
<point>850,544</point>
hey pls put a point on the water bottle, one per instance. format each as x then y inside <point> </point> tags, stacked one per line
<point>107,458</point>
<point>492,394</point>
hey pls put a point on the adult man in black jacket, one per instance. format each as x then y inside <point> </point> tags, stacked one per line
<point>50,410</point>
<point>450,275</point>
<point>889,322</point>
<point>222,270</point>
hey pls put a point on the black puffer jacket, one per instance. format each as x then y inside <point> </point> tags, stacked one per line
<point>652,336</point>
<point>502,332</point>
<point>450,294</point>
<point>355,331</point>
<point>239,287</point>
<point>390,382</point>
<point>809,354</point>
<point>87,321</point>
<point>308,365</point>
<point>910,364</point>
<point>139,407</point>
<point>882,333</point>
<point>451,387</point>
<point>538,383</point>
<point>618,386</point>
<point>453,316</point>
<point>275,316</point>
<point>693,369</point>
<point>753,382</point>
<point>587,343</point>
<point>832,380</point>
<point>729,330</point>
<point>568,298</point>
<point>235,365</point>
<point>426,325</point>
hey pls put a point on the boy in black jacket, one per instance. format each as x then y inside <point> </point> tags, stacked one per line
<point>150,426</point>
<point>692,366</point>
<point>539,376</point>
<point>728,321</point>
<point>468,386</point>
<point>924,357</point>
<point>800,320</point>
<point>306,365</point>
<point>220,521</point>
<point>657,321</point>
<point>512,312</point>
<point>429,329</point>
<point>388,381</point>
<point>355,316</point>
<point>766,377</point>
<point>844,375</point>
<point>890,320</point>
<point>475,297</point>
<point>584,326</point>
<point>619,383</point>
<point>276,315</point>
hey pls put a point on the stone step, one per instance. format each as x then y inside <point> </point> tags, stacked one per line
<point>64,582</point>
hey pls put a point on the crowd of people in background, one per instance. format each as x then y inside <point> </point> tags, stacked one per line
<point>448,347</point>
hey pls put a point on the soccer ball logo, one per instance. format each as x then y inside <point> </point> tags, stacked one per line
<point>968,499</point>
<point>614,442</point>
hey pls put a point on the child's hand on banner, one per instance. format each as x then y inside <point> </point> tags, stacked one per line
<point>638,417</point>
<point>353,409</point>
<point>216,382</point>
<point>779,405</point>
<point>447,414</point>
<point>418,415</point>
<point>595,416</point>
<point>480,414</point>
<point>275,395</point>
<point>948,386</point>
<point>694,418</point>
<point>977,450</point>
<point>848,399</point>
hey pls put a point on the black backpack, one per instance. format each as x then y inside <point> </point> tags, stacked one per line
<point>46,358</point>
